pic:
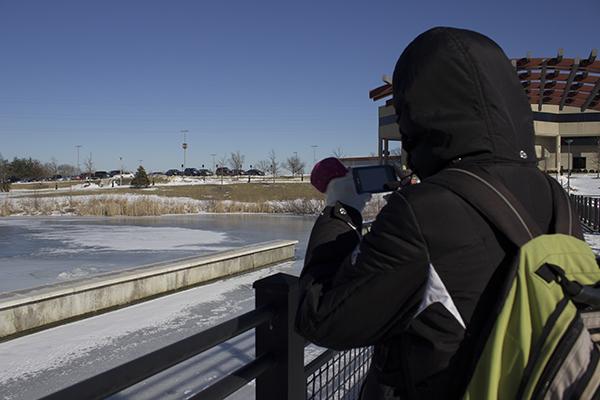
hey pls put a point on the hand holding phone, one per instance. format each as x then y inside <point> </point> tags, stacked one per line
<point>367,179</point>
<point>375,179</point>
<point>343,190</point>
<point>352,186</point>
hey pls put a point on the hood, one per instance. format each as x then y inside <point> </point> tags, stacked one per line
<point>457,96</point>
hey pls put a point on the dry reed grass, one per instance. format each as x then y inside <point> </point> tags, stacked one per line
<point>257,198</point>
<point>142,205</point>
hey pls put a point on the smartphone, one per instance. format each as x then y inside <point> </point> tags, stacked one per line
<point>374,179</point>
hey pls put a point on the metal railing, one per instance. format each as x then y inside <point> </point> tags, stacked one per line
<point>337,375</point>
<point>588,208</point>
<point>277,368</point>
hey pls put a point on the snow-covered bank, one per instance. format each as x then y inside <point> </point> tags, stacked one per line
<point>581,184</point>
<point>144,205</point>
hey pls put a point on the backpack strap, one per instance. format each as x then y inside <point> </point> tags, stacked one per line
<point>563,219</point>
<point>490,197</point>
<point>498,206</point>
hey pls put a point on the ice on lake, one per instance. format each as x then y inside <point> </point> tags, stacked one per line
<point>36,251</point>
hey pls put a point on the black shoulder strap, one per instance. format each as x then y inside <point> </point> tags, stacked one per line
<point>491,198</point>
<point>563,220</point>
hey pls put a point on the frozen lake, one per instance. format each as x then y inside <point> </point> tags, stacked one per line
<point>37,251</point>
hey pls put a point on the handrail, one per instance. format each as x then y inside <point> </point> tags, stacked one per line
<point>132,372</point>
<point>588,209</point>
<point>236,380</point>
<point>278,368</point>
<point>315,364</point>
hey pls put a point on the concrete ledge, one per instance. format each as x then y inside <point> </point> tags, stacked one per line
<point>32,309</point>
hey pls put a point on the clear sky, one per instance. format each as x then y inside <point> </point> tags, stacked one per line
<point>122,78</point>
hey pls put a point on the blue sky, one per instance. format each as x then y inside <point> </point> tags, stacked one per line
<point>122,78</point>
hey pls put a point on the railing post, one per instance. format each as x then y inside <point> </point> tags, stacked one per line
<point>285,381</point>
<point>584,211</point>
<point>596,215</point>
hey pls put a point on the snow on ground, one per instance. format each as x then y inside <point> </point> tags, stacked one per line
<point>18,189</point>
<point>594,242</point>
<point>581,184</point>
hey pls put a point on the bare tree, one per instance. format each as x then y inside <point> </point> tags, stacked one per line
<point>294,165</point>
<point>88,163</point>
<point>67,170</point>
<point>338,153</point>
<point>262,165</point>
<point>236,161</point>
<point>221,164</point>
<point>52,171</point>
<point>273,164</point>
<point>52,167</point>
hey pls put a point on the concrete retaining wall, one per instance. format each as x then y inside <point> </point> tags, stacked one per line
<point>32,309</point>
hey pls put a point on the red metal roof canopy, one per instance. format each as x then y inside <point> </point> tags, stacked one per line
<point>559,81</point>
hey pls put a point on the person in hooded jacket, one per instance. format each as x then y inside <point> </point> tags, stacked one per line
<point>413,284</point>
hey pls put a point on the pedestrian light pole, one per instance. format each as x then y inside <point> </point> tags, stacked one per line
<point>184,146</point>
<point>314,147</point>
<point>569,162</point>
<point>78,146</point>
<point>121,176</point>
<point>213,159</point>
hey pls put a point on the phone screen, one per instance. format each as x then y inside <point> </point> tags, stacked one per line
<point>373,179</point>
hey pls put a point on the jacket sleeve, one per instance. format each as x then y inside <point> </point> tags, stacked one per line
<point>356,293</point>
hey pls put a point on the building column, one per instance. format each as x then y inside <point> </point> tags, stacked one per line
<point>558,154</point>
<point>386,149</point>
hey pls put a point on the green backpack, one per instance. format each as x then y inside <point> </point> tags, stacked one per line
<point>541,337</point>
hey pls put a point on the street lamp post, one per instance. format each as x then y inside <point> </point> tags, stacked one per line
<point>78,146</point>
<point>314,147</point>
<point>569,162</point>
<point>213,159</point>
<point>184,145</point>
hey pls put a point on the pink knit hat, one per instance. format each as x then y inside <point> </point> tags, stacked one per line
<point>326,170</point>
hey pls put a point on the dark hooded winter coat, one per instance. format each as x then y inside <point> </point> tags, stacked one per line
<point>459,103</point>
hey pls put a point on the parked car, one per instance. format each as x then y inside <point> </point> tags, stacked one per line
<point>101,175</point>
<point>173,172</point>
<point>223,171</point>
<point>190,172</point>
<point>238,172</point>
<point>255,172</point>
<point>205,172</point>
<point>115,172</point>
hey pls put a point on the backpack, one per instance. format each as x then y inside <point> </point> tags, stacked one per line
<point>540,338</point>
